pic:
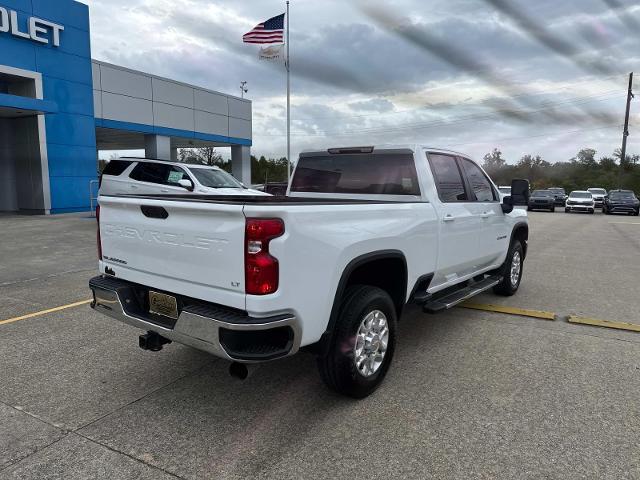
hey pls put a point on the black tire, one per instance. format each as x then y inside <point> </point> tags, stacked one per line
<point>552,209</point>
<point>637,213</point>
<point>566,210</point>
<point>528,209</point>
<point>338,368</point>
<point>506,287</point>
<point>591,212</point>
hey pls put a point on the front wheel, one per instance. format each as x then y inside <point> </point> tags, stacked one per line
<point>363,342</point>
<point>511,271</point>
<point>566,210</point>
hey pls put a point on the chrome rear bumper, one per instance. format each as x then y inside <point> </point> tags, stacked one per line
<point>201,325</point>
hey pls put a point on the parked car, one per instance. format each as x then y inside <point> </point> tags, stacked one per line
<point>143,176</point>
<point>621,201</point>
<point>328,268</point>
<point>560,195</point>
<point>542,200</point>
<point>580,201</point>
<point>598,196</point>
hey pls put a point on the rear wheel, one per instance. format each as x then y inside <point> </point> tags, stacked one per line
<point>511,271</point>
<point>363,342</point>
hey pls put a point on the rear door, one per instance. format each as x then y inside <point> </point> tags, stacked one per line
<point>460,224</point>
<point>493,238</point>
<point>190,248</point>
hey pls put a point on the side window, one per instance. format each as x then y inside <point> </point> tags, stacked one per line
<point>448,178</point>
<point>150,172</point>
<point>175,174</point>
<point>478,182</point>
<point>158,173</point>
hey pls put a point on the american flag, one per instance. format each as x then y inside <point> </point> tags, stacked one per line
<point>271,31</point>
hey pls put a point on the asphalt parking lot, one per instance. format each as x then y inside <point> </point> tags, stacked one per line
<point>471,394</point>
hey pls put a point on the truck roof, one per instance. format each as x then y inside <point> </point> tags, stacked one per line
<point>169,162</point>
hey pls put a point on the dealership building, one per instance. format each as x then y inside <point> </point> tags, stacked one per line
<point>58,108</point>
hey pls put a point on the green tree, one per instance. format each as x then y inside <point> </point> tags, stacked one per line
<point>586,157</point>
<point>493,161</point>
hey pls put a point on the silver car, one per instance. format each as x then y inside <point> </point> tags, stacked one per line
<point>580,201</point>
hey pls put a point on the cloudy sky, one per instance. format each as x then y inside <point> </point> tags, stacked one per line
<point>542,77</point>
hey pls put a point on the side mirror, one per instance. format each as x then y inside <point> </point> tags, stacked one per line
<point>520,192</point>
<point>186,184</point>
<point>507,204</point>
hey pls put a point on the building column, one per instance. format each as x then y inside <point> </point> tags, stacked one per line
<point>241,163</point>
<point>174,154</point>
<point>157,146</point>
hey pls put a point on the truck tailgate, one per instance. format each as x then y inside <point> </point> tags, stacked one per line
<point>189,248</point>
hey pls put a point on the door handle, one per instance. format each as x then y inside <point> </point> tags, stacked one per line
<point>485,214</point>
<point>164,191</point>
<point>448,218</point>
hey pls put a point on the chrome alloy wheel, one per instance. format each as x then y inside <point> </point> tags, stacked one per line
<point>516,265</point>
<point>372,340</point>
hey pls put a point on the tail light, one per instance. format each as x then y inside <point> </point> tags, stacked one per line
<point>99,242</point>
<point>261,268</point>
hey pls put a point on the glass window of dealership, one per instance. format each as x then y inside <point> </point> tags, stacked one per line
<point>58,108</point>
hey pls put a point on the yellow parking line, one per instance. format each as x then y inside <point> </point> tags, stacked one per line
<point>510,310</point>
<point>44,312</point>
<point>604,323</point>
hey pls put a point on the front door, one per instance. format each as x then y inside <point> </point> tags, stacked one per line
<point>493,235</point>
<point>460,223</point>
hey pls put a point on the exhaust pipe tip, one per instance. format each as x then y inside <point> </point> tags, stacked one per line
<point>241,371</point>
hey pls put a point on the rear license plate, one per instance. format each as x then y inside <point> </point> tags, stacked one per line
<point>162,304</point>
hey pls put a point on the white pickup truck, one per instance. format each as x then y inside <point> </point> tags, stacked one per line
<point>328,268</point>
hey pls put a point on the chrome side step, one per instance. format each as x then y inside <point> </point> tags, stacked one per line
<point>446,302</point>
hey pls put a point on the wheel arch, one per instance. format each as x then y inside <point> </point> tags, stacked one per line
<point>393,278</point>
<point>521,232</point>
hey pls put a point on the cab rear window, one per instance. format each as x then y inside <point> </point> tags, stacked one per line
<point>379,174</point>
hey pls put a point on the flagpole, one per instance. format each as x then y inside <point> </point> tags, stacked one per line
<point>288,102</point>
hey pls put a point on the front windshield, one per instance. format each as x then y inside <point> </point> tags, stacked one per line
<point>214,178</point>
<point>557,191</point>
<point>598,191</point>
<point>621,195</point>
<point>580,195</point>
<point>541,193</point>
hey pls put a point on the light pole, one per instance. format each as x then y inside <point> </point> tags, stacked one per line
<point>243,89</point>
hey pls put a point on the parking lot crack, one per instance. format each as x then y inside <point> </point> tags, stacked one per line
<point>151,392</point>
<point>135,459</point>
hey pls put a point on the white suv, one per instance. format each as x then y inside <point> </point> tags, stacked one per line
<point>580,201</point>
<point>598,196</point>
<point>148,177</point>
